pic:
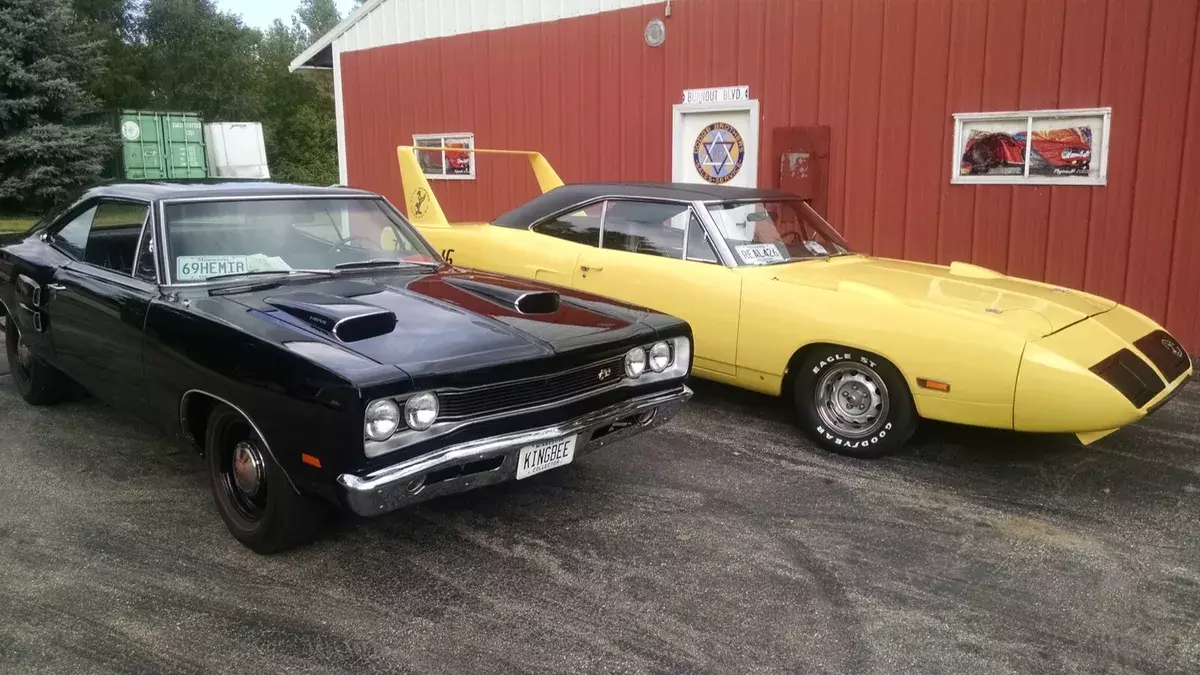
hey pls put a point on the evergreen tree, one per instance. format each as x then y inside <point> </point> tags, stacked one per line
<point>46,149</point>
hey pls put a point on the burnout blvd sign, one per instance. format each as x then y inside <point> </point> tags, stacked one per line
<point>717,95</point>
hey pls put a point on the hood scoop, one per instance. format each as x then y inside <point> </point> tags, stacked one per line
<point>346,319</point>
<point>524,301</point>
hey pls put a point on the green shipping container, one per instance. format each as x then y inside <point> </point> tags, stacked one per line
<point>157,145</point>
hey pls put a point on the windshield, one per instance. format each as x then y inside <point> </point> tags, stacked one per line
<point>222,238</point>
<point>769,233</point>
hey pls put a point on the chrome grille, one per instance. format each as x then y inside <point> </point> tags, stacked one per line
<point>530,392</point>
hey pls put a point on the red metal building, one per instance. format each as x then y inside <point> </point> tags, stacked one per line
<point>580,81</point>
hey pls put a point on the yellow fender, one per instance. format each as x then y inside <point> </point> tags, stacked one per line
<point>423,206</point>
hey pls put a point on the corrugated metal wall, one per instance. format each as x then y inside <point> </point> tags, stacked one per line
<point>886,76</point>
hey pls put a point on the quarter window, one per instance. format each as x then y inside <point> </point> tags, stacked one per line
<point>105,235</point>
<point>580,227</point>
<point>72,238</point>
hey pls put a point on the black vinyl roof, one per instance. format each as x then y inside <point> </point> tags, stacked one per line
<point>150,190</point>
<point>565,197</point>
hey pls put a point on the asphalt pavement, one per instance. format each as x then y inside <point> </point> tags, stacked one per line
<point>723,543</point>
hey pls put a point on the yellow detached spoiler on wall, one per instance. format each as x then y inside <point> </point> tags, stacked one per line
<point>423,206</point>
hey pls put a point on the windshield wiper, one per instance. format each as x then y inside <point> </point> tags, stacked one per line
<point>382,262</point>
<point>327,273</point>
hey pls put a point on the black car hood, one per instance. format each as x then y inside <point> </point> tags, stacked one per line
<point>451,320</point>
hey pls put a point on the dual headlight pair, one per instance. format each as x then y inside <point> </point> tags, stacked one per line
<point>384,416</point>
<point>420,410</point>
<point>658,358</point>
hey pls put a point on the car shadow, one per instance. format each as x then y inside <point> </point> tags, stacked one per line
<point>943,440</point>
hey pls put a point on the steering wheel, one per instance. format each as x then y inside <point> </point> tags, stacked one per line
<point>372,245</point>
<point>796,237</point>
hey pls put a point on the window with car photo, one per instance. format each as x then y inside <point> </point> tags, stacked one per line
<point>445,162</point>
<point>1059,147</point>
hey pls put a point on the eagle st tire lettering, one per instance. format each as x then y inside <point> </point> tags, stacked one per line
<point>838,369</point>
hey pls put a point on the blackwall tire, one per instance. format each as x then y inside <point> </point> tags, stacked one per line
<point>853,403</point>
<point>273,517</point>
<point>38,382</point>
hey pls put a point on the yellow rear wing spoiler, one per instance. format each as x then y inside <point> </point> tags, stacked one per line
<point>423,206</point>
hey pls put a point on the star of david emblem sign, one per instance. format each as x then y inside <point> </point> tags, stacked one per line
<point>718,152</point>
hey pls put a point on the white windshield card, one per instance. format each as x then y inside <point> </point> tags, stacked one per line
<point>201,267</point>
<point>759,254</point>
<point>815,248</point>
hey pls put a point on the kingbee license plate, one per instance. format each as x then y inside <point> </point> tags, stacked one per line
<point>544,456</point>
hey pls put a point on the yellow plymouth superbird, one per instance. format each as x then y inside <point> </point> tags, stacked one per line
<point>863,347</point>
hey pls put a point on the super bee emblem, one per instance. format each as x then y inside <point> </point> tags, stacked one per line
<point>420,202</point>
<point>604,374</point>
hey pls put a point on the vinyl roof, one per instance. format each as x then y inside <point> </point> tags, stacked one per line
<point>569,195</point>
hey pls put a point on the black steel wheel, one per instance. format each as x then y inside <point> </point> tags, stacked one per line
<point>853,402</point>
<point>256,500</point>
<point>38,382</point>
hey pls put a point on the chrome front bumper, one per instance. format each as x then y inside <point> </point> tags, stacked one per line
<point>488,461</point>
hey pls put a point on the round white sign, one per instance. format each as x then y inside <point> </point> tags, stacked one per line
<point>131,130</point>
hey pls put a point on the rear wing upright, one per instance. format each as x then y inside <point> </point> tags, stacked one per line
<point>423,206</point>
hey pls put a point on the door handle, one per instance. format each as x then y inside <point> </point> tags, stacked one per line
<point>56,287</point>
<point>588,268</point>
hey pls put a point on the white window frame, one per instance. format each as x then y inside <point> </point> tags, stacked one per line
<point>442,138</point>
<point>1099,149</point>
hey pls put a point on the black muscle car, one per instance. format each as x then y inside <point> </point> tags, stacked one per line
<point>316,350</point>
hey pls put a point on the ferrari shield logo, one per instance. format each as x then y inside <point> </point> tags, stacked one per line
<point>718,152</point>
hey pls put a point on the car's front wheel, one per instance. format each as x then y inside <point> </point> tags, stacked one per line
<point>853,402</point>
<point>253,495</point>
<point>38,381</point>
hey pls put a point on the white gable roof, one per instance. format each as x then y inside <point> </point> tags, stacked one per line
<point>387,22</point>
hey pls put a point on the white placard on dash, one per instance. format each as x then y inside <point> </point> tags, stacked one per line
<point>201,267</point>
<point>759,254</point>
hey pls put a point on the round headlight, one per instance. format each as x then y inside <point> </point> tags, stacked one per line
<point>635,362</point>
<point>660,357</point>
<point>383,418</point>
<point>421,410</point>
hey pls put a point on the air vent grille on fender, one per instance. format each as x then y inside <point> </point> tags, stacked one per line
<point>1131,376</point>
<point>1165,353</point>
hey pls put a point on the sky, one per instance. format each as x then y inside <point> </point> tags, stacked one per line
<point>260,13</point>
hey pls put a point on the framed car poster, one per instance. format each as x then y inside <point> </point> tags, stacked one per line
<point>1054,147</point>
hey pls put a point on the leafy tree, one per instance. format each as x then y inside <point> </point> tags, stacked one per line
<point>318,17</point>
<point>46,148</point>
<point>199,59</point>
<point>113,23</point>
<point>297,108</point>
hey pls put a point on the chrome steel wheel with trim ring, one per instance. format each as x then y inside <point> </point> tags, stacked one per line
<point>851,402</point>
